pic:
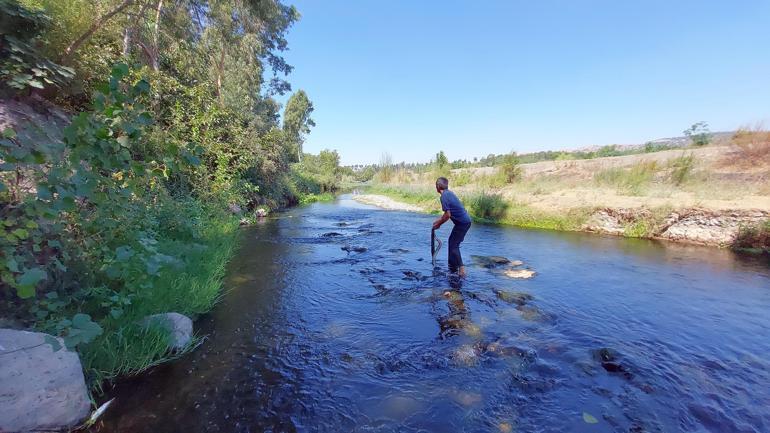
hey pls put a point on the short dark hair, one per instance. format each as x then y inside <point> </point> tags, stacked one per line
<point>442,183</point>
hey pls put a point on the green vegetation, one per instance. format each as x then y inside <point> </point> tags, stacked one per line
<point>133,208</point>
<point>698,133</point>
<point>754,238</point>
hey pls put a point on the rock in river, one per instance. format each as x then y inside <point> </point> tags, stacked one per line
<point>518,298</point>
<point>179,327</point>
<point>353,249</point>
<point>519,273</point>
<point>40,389</point>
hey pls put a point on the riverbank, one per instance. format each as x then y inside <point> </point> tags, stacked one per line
<point>745,229</point>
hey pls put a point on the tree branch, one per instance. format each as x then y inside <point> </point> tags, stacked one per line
<point>70,50</point>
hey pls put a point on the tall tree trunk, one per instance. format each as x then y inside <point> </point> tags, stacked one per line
<point>220,72</point>
<point>127,41</point>
<point>70,50</point>
<point>155,61</point>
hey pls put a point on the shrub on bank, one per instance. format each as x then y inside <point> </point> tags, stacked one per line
<point>754,238</point>
<point>96,234</point>
<point>487,206</point>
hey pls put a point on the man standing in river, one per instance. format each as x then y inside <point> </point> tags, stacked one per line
<point>454,210</point>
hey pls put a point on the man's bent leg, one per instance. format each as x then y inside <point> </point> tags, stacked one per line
<point>455,239</point>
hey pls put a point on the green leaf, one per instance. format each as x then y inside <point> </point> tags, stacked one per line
<point>36,84</point>
<point>12,265</point>
<point>32,276</point>
<point>9,133</point>
<point>83,330</point>
<point>25,292</point>
<point>120,70</point>
<point>53,341</point>
<point>20,233</point>
<point>124,253</point>
<point>590,419</point>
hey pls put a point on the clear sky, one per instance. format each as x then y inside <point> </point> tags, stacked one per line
<point>471,78</point>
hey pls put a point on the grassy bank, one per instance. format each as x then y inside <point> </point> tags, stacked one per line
<point>488,207</point>
<point>192,288</point>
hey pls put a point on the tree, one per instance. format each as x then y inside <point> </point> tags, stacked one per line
<point>698,133</point>
<point>510,167</point>
<point>297,121</point>
<point>441,160</point>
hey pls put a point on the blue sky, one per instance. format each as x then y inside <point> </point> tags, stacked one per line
<point>478,77</point>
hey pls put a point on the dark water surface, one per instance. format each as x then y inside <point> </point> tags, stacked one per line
<point>642,336</point>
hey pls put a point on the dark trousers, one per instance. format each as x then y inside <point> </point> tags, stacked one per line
<point>455,239</point>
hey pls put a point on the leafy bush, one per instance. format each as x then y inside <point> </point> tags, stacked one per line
<point>755,238</point>
<point>510,168</point>
<point>487,206</point>
<point>92,238</point>
<point>318,174</point>
<point>22,66</point>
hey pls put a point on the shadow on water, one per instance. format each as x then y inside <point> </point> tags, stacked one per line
<point>336,322</point>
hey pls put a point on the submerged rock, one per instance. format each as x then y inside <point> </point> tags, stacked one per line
<point>41,389</point>
<point>179,327</point>
<point>518,298</point>
<point>611,361</point>
<point>466,398</point>
<point>467,354</point>
<point>398,250</point>
<point>490,261</point>
<point>413,275</point>
<point>331,235</point>
<point>354,249</point>
<point>533,314</point>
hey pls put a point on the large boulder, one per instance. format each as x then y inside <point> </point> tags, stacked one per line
<point>179,327</point>
<point>41,389</point>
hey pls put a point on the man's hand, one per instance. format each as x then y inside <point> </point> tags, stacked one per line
<point>444,218</point>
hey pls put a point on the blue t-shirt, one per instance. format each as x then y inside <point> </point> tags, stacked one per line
<point>450,202</point>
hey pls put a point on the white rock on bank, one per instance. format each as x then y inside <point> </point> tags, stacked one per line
<point>179,326</point>
<point>40,389</point>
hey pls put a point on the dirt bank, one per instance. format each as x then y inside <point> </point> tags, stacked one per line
<point>385,202</point>
<point>692,225</point>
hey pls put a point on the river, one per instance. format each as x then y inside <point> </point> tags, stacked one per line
<point>610,335</point>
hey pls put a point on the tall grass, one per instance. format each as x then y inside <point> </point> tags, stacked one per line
<point>681,168</point>
<point>630,181</point>
<point>754,238</point>
<point>126,347</point>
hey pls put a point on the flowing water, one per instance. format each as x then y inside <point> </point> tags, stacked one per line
<point>610,335</point>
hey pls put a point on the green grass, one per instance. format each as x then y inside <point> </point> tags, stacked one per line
<point>313,198</point>
<point>126,347</point>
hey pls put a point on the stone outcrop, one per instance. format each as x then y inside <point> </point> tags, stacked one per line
<point>41,389</point>
<point>702,226</point>
<point>179,327</point>
<point>709,227</point>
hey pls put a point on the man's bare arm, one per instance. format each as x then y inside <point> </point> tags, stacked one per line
<point>444,218</point>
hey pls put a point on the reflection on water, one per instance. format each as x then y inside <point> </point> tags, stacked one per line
<point>336,322</point>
